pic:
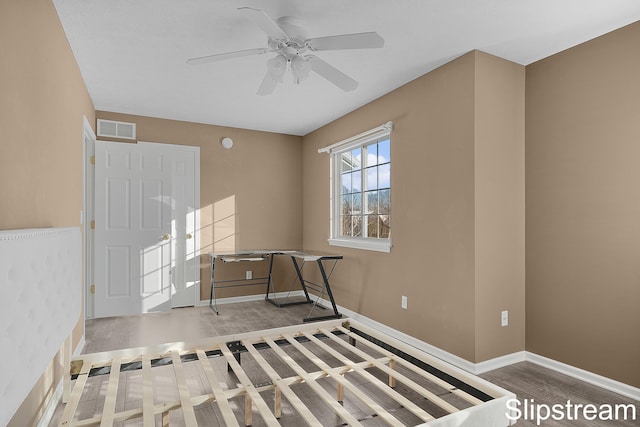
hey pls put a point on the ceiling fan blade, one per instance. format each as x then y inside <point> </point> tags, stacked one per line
<point>225,56</point>
<point>346,41</point>
<point>267,86</point>
<point>332,74</point>
<point>263,21</point>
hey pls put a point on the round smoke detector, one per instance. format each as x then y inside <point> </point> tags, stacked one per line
<point>227,142</point>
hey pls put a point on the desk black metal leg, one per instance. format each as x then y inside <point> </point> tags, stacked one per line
<point>269,277</point>
<point>325,279</point>
<point>301,279</point>
<point>212,293</point>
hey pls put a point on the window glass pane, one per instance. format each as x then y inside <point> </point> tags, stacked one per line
<point>384,224</point>
<point>372,178</point>
<point>345,227</point>
<point>372,155</point>
<point>357,203</point>
<point>372,202</point>
<point>346,183</point>
<point>384,202</point>
<point>356,181</point>
<point>384,176</point>
<point>345,162</point>
<point>357,226</point>
<point>347,208</point>
<point>356,156</point>
<point>372,226</point>
<point>384,151</point>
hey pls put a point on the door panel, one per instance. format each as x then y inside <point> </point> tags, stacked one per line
<point>118,280</point>
<point>118,204</point>
<point>185,286</point>
<point>132,271</point>
<point>155,228</point>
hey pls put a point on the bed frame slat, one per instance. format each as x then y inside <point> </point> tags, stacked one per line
<point>355,390</point>
<point>251,391</point>
<point>221,399</point>
<point>187,407</point>
<point>415,409</point>
<point>112,389</point>
<point>148,414</point>
<point>76,393</point>
<point>311,381</point>
<point>298,405</point>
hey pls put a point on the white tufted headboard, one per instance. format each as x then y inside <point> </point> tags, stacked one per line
<point>40,299</point>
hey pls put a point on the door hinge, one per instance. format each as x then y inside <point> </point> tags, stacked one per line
<point>93,289</point>
<point>93,225</point>
<point>92,160</point>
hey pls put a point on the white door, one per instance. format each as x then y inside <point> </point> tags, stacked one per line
<point>136,245</point>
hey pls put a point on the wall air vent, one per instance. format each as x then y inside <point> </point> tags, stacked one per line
<point>112,129</point>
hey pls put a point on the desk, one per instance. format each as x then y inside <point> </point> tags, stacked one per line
<point>298,259</point>
<point>241,256</point>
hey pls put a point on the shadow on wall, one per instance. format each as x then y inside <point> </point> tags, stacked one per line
<point>218,233</point>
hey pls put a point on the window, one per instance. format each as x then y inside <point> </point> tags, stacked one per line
<point>361,191</point>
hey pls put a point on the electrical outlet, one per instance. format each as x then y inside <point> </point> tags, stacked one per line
<point>403,302</point>
<point>505,318</point>
<point>249,274</point>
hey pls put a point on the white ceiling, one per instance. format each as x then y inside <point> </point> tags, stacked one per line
<point>132,54</point>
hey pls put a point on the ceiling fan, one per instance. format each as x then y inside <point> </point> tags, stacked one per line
<point>288,40</point>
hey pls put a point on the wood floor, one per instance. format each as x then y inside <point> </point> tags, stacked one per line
<point>527,380</point>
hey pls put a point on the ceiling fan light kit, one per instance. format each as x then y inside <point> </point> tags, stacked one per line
<point>287,38</point>
<point>277,67</point>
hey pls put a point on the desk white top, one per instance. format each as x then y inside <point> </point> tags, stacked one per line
<point>259,254</point>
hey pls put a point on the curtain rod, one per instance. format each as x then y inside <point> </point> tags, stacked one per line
<point>385,127</point>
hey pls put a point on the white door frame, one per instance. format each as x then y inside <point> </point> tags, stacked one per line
<point>87,216</point>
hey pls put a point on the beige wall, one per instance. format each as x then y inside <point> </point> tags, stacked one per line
<point>499,206</point>
<point>439,123</point>
<point>41,107</point>
<point>583,206</point>
<point>250,196</point>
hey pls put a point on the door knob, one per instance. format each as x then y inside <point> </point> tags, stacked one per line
<point>189,236</point>
<point>166,237</point>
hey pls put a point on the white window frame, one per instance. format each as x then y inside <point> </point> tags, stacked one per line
<point>335,150</point>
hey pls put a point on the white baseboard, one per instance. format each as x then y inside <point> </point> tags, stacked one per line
<point>586,376</point>
<point>498,362</point>
<point>255,297</point>
<point>47,415</point>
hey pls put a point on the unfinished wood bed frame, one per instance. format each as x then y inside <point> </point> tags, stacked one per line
<point>329,363</point>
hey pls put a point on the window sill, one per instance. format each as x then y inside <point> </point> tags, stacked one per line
<point>369,245</point>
